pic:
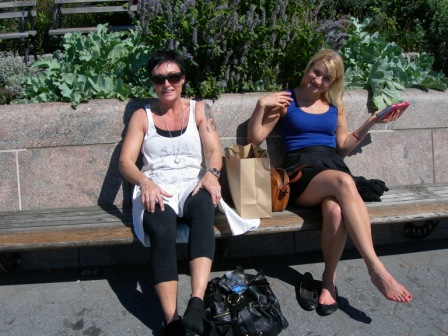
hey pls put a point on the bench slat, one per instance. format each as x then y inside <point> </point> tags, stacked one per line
<point>63,31</point>
<point>17,35</point>
<point>60,2</point>
<point>23,11</point>
<point>92,226</point>
<point>54,218</point>
<point>17,4</point>
<point>65,238</point>
<point>13,15</point>
<point>103,9</point>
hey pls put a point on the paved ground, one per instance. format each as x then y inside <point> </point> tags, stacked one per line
<point>119,300</point>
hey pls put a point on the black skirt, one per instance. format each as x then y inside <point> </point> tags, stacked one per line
<point>319,158</point>
<point>316,159</point>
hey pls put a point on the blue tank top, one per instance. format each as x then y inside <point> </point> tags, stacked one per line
<point>300,129</point>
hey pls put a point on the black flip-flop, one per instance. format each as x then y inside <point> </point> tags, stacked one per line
<point>308,293</point>
<point>325,310</point>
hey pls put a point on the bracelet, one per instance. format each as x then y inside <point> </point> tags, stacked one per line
<point>357,137</point>
<point>146,178</point>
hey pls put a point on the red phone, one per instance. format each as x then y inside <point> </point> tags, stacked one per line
<point>391,108</point>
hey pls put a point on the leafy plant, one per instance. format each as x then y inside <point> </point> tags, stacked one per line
<point>97,65</point>
<point>374,64</point>
<point>12,71</point>
<point>238,45</point>
<point>416,26</point>
<point>438,32</point>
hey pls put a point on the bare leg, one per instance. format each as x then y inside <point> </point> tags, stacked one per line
<point>167,292</point>
<point>200,272</point>
<point>333,238</point>
<point>332,183</point>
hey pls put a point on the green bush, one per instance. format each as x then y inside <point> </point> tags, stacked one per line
<point>377,65</point>
<point>416,26</point>
<point>12,71</point>
<point>44,43</point>
<point>438,34</point>
<point>242,46</point>
<point>236,46</point>
<point>97,65</point>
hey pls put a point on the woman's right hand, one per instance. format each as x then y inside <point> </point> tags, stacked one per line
<point>152,194</point>
<point>267,112</point>
<point>277,100</point>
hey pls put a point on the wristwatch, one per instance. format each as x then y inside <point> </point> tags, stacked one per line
<point>215,172</point>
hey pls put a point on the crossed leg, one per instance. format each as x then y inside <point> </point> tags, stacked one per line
<point>333,238</point>
<point>341,187</point>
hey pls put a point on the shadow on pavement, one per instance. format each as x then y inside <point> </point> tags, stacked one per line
<point>133,288</point>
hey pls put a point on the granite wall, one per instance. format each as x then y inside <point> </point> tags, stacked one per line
<point>52,156</point>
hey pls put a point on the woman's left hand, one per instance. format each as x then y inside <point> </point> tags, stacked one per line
<point>392,117</point>
<point>210,183</point>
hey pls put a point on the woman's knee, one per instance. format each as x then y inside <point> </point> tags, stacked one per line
<point>332,210</point>
<point>160,225</point>
<point>199,206</point>
<point>345,183</point>
<point>333,217</point>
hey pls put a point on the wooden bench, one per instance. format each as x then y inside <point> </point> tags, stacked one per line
<point>96,226</point>
<point>64,162</point>
<point>69,7</point>
<point>24,13</point>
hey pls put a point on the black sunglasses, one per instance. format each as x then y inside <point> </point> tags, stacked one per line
<point>173,78</point>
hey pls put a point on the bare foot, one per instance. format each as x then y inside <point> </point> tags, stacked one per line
<point>390,288</point>
<point>328,294</point>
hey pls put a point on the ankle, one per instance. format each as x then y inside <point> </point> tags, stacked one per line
<point>329,278</point>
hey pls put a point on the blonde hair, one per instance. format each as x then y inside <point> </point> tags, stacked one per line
<point>335,67</point>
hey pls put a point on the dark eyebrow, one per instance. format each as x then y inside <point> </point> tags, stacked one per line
<point>169,73</point>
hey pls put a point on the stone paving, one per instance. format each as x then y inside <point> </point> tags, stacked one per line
<point>119,300</point>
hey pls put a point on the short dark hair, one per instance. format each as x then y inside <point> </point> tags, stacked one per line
<point>163,56</point>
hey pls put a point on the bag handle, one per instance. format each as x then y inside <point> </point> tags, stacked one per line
<point>227,151</point>
<point>298,174</point>
<point>282,181</point>
<point>255,152</point>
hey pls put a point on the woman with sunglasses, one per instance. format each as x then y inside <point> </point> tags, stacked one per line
<point>182,160</point>
<point>313,125</point>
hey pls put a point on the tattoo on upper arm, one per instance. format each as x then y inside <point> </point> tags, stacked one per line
<point>210,125</point>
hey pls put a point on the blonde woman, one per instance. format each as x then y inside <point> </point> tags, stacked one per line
<point>314,130</point>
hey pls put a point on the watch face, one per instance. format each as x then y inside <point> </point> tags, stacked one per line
<point>215,172</point>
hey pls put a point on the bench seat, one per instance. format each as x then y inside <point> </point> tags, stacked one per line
<point>22,12</point>
<point>68,7</point>
<point>96,226</point>
<point>17,35</point>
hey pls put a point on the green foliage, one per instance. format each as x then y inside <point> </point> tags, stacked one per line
<point>374,64</point>
<point>12,70</point>
<point>235,46</point>
<point>438,33</point>
<point>42,23</point>
<point>245,46</point>
<point>416,26</point>
<point>98,65</point>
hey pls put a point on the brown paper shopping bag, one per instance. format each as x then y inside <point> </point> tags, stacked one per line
<point>248,174</point>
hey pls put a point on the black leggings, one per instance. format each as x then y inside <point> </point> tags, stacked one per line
<point>161,227</point>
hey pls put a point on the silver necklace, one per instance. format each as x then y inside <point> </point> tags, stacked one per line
<point>176,156</point>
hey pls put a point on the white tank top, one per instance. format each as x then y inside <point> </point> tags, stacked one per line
<point>178,179</point>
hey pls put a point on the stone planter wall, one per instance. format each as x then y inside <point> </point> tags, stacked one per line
<point>52,156</point>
